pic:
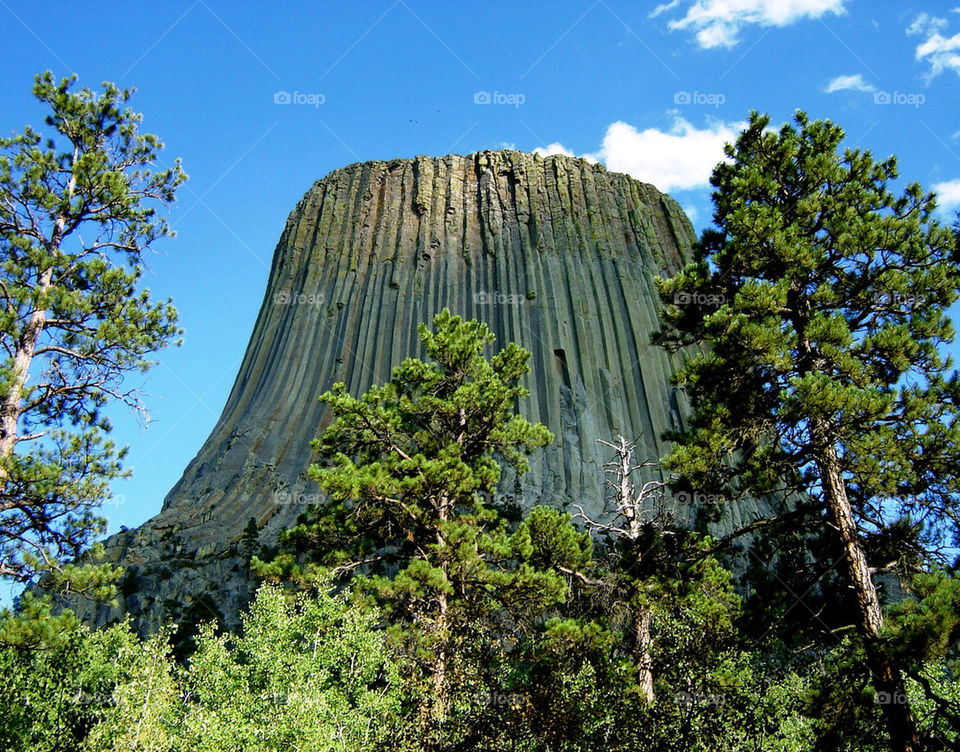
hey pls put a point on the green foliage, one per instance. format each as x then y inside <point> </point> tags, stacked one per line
<point>311,674</point>
<point>823,297</point>
<point>142,712</point>
<point>410,468</point>
<point>57,687</point>
<point>844,709</point>
<point>34,624</point>
<point>423,444</point>
<point>925,623</point>
<point>77,212</point>
<point>519,635</point>
<point>578,689</point>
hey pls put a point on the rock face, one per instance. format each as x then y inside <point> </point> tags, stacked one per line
<point>554,253</point>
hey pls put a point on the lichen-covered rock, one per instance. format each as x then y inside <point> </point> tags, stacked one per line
<point>555,253</point>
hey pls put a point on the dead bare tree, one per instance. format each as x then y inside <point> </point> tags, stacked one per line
<point>635,511</point>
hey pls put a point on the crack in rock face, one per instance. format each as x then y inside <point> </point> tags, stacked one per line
<point>555,254</point>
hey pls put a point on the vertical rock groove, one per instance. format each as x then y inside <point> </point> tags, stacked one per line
<point>554,253</point>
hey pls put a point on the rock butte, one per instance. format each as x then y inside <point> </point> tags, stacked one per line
<point>554,253</point>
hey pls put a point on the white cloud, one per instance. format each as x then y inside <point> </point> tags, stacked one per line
<point>925,23</point>
<point>942,53</point>
<point>718,22</point>
<point>948,194</point>
<point>558,148</point>
<point>554,148</point>
<point>680,158</point>
<point>849,83</point>
<point>664,7</point>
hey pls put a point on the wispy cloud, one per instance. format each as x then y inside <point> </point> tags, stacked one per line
<point>849,83</point>
<point>925,23</point>
<point>717,23</point>
<point>664,8</point>
<point>940,52</point>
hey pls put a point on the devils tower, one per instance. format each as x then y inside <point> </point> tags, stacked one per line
<point>554,253</point>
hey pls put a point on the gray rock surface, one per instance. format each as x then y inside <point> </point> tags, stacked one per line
<point>554,253</point>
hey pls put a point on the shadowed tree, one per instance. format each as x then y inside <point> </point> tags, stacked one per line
<point>822,297</point>
<point>638,518</point>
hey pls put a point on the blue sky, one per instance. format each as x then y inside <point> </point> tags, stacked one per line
<point>260,102</point>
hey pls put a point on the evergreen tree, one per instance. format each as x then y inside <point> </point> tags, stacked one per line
<point>411,468</point>
<point>77,213</point>
<point>822,298</point>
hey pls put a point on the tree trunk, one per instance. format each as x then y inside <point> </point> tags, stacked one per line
<point>27,344</point>
<point>440,665</point>
<point>643,658</point>
<point>440,691</point>
<point>887,677</point>
<point>22,358</point>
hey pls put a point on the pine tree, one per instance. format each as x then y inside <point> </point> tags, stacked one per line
<point>822,297</point>
<point>77,213</point>
<point>411,469</point>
